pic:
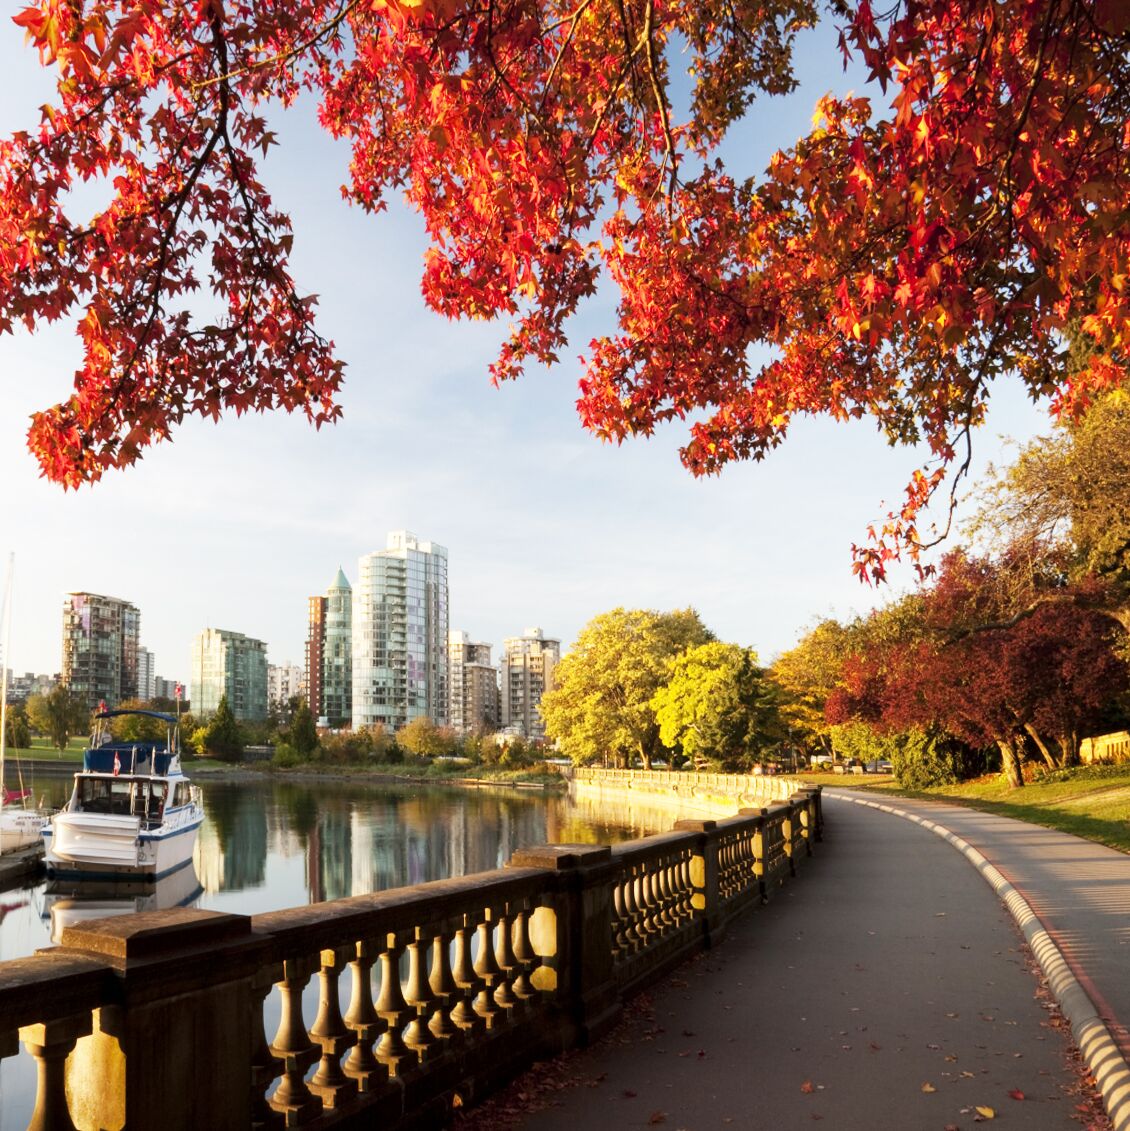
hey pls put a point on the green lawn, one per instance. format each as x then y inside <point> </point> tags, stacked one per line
<point>1092,802</point>
<point>43,748</point>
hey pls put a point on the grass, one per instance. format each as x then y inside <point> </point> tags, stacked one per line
<point>42,749</point>
<point>1092,802</point>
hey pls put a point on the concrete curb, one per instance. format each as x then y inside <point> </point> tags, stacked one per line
<point>1099,1050</point>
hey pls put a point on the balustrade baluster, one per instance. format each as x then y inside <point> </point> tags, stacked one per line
<point>418,1037</point>
<point>392,1051</point>
<point>507,964</point>
<point>524,954</point>
<point>362,1018</point>
<point>666,901</point>
<point>293,1047</point>
<point>334,1037</point>
<point>467,980</point>
<point>634,934</point>
<point>680,884</point>
<point>648,925</point>
<point>648,894</point>
<point>489,974</point>
<point>621,945</point>
<point>50,1043</point>
<point>444,988</point>
<point>265,1067</point>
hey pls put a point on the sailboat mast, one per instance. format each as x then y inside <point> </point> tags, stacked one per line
<point>6,616</point>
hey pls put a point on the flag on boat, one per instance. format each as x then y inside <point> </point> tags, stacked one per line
<point>117,763</point>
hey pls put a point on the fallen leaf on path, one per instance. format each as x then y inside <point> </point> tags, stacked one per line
<point>807,1087</point>
<point>657,1117</point>
<point>928,1087</point>
<point>985,1112</point>
<point>629,1094</point>
<point>1016,1094</point>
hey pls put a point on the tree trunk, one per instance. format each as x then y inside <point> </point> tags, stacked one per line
<point>1010,762</point>
<point>1049,757</point>
<point>1069,744</point>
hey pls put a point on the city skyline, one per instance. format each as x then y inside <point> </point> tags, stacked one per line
<point>235,525</point>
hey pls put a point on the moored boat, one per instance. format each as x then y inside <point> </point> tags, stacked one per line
<point>132,811</point>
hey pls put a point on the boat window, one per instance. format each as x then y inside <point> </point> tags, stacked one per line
<point>182,796</point>
<point>104,795</point>
<point>156,800</point>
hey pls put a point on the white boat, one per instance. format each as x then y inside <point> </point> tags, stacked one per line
<point>132,812</point>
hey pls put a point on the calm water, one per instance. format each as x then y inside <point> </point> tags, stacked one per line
<point>269,845</point>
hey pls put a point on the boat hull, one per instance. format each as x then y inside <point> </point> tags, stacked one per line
<point>98,847</point>
<point>19,829</point>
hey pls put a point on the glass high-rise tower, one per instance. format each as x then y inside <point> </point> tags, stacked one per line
<point>100,648</point>
<point>400,624</point>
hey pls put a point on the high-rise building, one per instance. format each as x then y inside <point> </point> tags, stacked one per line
<point>472,685</point>
<point>146,674</point>
<point>100,648</point>
<point>337,653</point>
<point>167,688</point>
<point>284,682</point>
<point>315,651</point>
<point>231,664</point>
<point>400,634</point>
<point>329,653</point>
<point>527,673</point>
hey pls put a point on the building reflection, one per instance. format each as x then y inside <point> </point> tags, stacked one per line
<point>354,840</point>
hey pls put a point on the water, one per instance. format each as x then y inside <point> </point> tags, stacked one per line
<point>270,844</point>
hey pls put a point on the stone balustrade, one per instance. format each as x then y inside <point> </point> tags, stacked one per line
<point>715,793</point>
<point>385,1010</point>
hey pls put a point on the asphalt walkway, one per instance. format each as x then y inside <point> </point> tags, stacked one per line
<point>888,987</point>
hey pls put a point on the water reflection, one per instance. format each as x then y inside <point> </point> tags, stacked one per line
<point>269,844</point>
<point>69,904</point>
<point>358,839</point>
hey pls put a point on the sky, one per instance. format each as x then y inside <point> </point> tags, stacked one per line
<point>233,525</point>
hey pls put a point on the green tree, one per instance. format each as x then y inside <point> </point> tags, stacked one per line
<point>221,737</point>
<point>1062,509</point>
<point>58,715</point>
<point>601,703</point>
<point>18,736</point>
<point>303,734</point>
<point>806,675</point>
<point>137,728</point>
<point>423,738</point>
<point>718,705</point>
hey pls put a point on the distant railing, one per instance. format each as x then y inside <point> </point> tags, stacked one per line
<point>387,1010</point>
<point>1106,748</point>
<point>688,785</point>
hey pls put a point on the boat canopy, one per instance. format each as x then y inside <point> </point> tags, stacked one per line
<point>166,718</point>
<point>131,757</point>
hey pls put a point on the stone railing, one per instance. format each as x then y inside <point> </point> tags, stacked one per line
<point>387,1010</point>
<point>716,793</point>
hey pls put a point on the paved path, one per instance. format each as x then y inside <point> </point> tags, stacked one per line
<point>887,987</point>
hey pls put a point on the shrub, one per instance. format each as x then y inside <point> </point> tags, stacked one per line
<point>286,757</point>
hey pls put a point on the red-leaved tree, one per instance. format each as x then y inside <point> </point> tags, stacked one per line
<point>1042,677</point>
<point>907,253</point>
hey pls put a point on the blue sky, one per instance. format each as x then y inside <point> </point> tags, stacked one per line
<point>234,525</point>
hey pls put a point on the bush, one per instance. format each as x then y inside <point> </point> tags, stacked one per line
<point>286,757</point>
<point>919,758</point>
